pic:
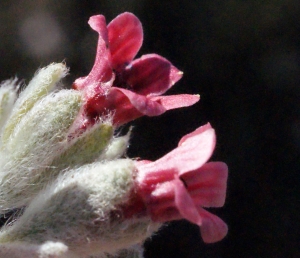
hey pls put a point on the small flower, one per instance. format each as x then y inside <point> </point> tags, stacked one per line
<point>105,207</point>
<point>179,184</point>
<point>128,88</point>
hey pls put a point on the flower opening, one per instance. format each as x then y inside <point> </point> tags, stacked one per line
<point>128,88</point>
<point>180,184</point>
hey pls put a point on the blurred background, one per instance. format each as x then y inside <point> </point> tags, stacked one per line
<point>243,57</point>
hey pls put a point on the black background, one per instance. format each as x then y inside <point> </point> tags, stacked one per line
<point>242,57</point>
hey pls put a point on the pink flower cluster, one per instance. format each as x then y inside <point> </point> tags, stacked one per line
<point>180,184</point>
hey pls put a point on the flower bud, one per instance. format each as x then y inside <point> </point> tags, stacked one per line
<point>87,147</point>
<point>82,210</point>
<point>42,83</point>
<point>37,139</point>
<point>116,148</point>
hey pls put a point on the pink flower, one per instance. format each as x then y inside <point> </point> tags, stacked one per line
<point>181,183</point>
<point>128,88</point>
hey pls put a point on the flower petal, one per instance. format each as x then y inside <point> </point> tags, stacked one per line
<point>125,104</point>
<point>185,204</point>
<point>161,202</point>
<point>151,75</point>
<point>189,156</point>
<point>101,71</point>
<point>199,130</point>
<point>207,185</point>
<point>176,101</point>
<point>143,104</point>
<point>213,229</point>
<point>125,34</point>
<point>113,102</point>
<point>98,23</point>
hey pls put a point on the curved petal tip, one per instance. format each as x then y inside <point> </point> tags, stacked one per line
<point>213,229</point>
<point>125,34</point>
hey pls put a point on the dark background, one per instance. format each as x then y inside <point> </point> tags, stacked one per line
<point>243,57</point>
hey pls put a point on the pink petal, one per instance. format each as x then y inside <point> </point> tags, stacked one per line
<point>125,35</point>
<point>114,101</point>
<point>166,215</point>
<point>207,185</point>
<point>213,229</point>
<point>101,71</point>
<point>176,101</point>
<point>143,104</point>
<point>199,130</point>
<point>196,150</point>
<point>98,23</point>
<point>185,204</point>
<point>189,156</point>
<point>151,75</point>
<point>160,202</point>
<point>144,161</point>
<point>126,105</point>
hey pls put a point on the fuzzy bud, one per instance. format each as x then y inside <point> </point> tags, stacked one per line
<point>85,148</point>
<point>82,209</point>
<point>37,139</point>
<point>42,83</point>
<point>116,148</point>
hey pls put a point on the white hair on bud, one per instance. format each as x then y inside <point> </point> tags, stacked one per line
<point>8,96</point>
<point>117,148</point>
<point>85,147</point>
<point>44,81</point>
<point>37,139</point>
<point>82,210</point>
